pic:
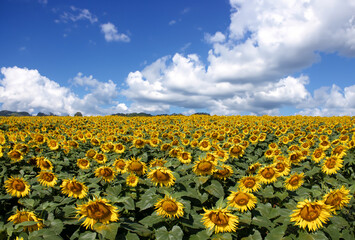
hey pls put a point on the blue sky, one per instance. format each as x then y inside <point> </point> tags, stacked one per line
<point>223,57</point>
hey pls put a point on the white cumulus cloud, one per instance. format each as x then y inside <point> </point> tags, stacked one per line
<point>111,33</point>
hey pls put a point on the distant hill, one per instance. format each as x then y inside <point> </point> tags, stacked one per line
<point>133,114</point>
<point>6,113</point>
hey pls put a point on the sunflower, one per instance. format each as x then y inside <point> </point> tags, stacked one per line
<point>220,219</point>
<point>17,187</point>
<point>311,215</point>
<point>165,147</point>
<point>337,198</point>
<point>282,167</point>
<point>324,145</point>
<point>136,166</point>
<point>295,157</point>
<point>236,151</point>
<point>162,176</point>
<point>243,201</point>
<point>269,153</point>
<point>95,141</point>
<point>204,144</point>
<point>120,165</point>
<point>252,168</point>
<point>268,174</point>
<point>194,143</point>
<point>100,158</point>
<point>91,153</point>
<point>221,154</point>
<point>97,210</point>
<point>294,181</point>
<point>331,165</point>
<point>249,184</point>
<point>15,155</point>
<point>157,163</point>
<point>184,157</point>
<point>138,143</point>
<point>169,207</point>
<point>26,216</point>
<point>204,167</point>
<point>119,148</point>
<point>318,154</point>
<point>132,180</point>
<point>224,173</point>
<point>106,173</point>
<point>73,188</point>
<point>154,142</point>
<point>48,179</point>
<point>53,144</point>
<point>44,163</point>
<point>174,152</point>
<point>83,163</point>
<point>339,151</point>
<point>1,154</point>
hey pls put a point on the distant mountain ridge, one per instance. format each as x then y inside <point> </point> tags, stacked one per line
<point>6,113</point>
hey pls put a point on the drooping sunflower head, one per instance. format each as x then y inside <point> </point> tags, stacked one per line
<point>17,187</point>
<point>331,165</point>
<point>311,215</point>
<point>253,168</point>
<point>184,157</point>
<point>15,155</point>
<point>74,188</point>
<point>268,174</point>
<point>136,166</point>
<point>97,210</point>
<point>249,184</point>
<point>106,173</point>
<point>44,163</point>
<point>204,167</point>
<point>295,157</point>
<point>339,151</point>
<point>83,163</point>
<point>162,176</point>
<point>337,198</point>
<point>242,201</point>
<point>46,178</point>
<point>157,162</point>
<point>27,216</point>
<point>120,165</point>
<point>169,207</point>
<point>224,173</point>
<point>294,181</point>
<point>221,220</point>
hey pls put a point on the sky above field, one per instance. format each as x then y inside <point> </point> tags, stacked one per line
<point>274,57</point>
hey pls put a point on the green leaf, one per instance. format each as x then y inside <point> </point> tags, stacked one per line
<point>215,189</point>
<point>255,236</point>
<point>282,195</point>
<point>137,228</point>
<point>108,231</point>
<point>88,236</point>
<point>128,203</point>
<point>148,199</point>
<point>131,236</point>
<point>267,192</point>
<point>245,218</point>
<point>267,211</point>
<point>312,236</point>
<point>163,234</point>
<point>333,231</point>
<point>57,226</point>
<point>151,220</point>
<point>262,222</point>
<point>276,233</point>
<point>339,222</point>
<point>200,235</point>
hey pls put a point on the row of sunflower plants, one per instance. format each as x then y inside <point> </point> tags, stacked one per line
<point>177,177</point>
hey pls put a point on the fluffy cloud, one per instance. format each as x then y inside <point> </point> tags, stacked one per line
<point>23,89</point>
<point>250,68</point>
<point>111,33</point>
<point>76,14</point>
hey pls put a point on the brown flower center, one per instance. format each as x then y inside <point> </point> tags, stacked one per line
<point>294,180</point>
<point>136,166</point>
<point>311,212</point>
<point>236,150</point>
<point>91,153</point>
<point>318,154</point>
<point>249,183</point>
<point>119,147</point>
<point>204,144</point>
<point>19,185</point>
<point>268,173</point>
<point>100,157</point>
<point>106,172</point>
<point>169,206</point>
<point>334,199</point>
<point>330,163</point>
<point>75,187</point>
<point>120,165</point>
<point>161,176</point>
<point>15,154</point>
<point>241,199</point>
<point>280,167</point>
<point>84,162</point>
<point>204,166</point>
<point>223,172</point>
<point>98,211</point>
<point>220,219</point>
<point>45,164</point>
<point>48,177</point>
<point>185,156</point>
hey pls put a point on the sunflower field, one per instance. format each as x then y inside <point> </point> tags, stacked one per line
<point>177,177</point>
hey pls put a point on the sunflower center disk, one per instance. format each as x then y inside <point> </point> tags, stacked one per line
<point>106,172</point>
<point>334,199</point>
<point>185,156</point>
<point>75,187</point>
<point>136,166</point>
<point>241,199</point>
<point>219,219</point>
<point>161,176</point>
<point>310,213</point>
<point>294,180</point>
<point>18,185</point>
<point>249,183</point>
<point>268,173</point>
<point>48,177</point>
<point>330,163</point>
<point>120,165</point>
<point>98,211</point>
<point>169,206</point>
<point>205,166</point>
<point>280,167</point>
